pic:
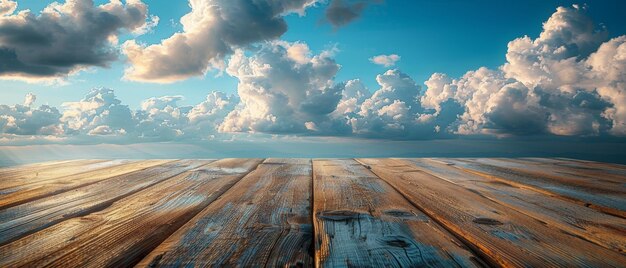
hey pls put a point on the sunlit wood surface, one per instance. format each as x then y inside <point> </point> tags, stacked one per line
<point>427,212</point>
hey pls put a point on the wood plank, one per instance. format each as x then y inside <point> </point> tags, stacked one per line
<point>263,220</point>
<point>621,168</point>
<point>602,229</point>
<point>585,171</point>
<point>131,227</point>
<point>606,197</point>
<point>21,220</point>
<point>24,175</point>
<point>504,236</point>
<point>360,221</point>
<point>33,165</point>
<point>42,188</point>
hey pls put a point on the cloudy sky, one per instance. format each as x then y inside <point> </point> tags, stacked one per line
<point>279,76</point>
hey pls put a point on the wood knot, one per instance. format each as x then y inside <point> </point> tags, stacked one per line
<point>396,241</point>
<point>487,221</point>
<point>339,215</point>
<point>399,213</point>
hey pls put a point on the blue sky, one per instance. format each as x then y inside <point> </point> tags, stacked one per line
<point>431,36</point>
<point>336,71</point>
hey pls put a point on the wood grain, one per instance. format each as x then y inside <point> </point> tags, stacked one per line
<point>262,221</point>
<point>603,195</point>
<point>13,177</point>
<point>42,188</point>
<point>360,221</point>
<point>21,220</point>
<point>602,229</point>
<point>504,236</point>
<point>131,227</point>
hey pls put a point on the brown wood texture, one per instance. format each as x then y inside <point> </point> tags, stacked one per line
<point>41,188</point>
<point>131,227</point>
<point>263,221</point>
<point>504,236</point>
<point>360,221</point>
<point>27,218</point>
<point>602,229</point>
<point>595,191</point>
<point>440,212</point>
<point>14,177</point>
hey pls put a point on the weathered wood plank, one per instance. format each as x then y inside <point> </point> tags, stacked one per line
<point>264,220</point>
<point>601,195</point>
<point>42,188</point>
<point>575,170</point>
<point>360,221</point>
<point>33,165</point>
<point>504,236</point>
<point>24,175</point>
<point>602,229</point>
<point>21,220</point>
<point>131,227</point>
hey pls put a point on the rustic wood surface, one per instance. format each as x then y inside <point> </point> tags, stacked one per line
<point>438,212</point>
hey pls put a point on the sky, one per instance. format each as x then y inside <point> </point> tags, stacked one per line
<point>297,73</point>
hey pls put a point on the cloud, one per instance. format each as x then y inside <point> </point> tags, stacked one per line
<point>385,60</point>
<point>608,73</point>
<point>7,7</point>
<point>395,111</point>
<point>205,117</point>
<point>211,31</point>
<point>342,12</point>
<point>555,84</point>
<point>24,120</point>
<point>568,81</point>
<point>100,107</point>
<point>282,91</point>
<point>101,114</point>
<point>64,38</point>
<point>29,99</point>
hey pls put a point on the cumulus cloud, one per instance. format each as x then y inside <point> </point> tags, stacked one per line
<point>100,107</point>
<point>211,31</point>
<point>7,7</point>
<point>395,111</point>
<point>385,60</point>
<point>342,12</point>
<point>569,81</point>
<point>283,91</point>
<point>24,120</point>
<point>64,38</point>
<point>29,99</point>
<point>100,113</point>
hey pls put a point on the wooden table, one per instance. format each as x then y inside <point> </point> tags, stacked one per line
<point>441,212</point>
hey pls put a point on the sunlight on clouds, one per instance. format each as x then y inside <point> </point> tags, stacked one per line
<point>211,31</point>
<point>568,81</point>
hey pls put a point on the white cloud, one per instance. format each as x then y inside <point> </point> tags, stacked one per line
<point>99,107</point>
<point>29,99</point>
<point>569,81</point>
<point>24,120</point>
<point>565,82</point>
<point>211,31</point>
<point>280,91</point>
<point>7,7</point>
<point>385,60</point>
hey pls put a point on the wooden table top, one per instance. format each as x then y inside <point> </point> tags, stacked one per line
<point>441,212</point>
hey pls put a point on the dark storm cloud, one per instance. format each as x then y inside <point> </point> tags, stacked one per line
<point>65,37</point>
<point>342,12</point>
